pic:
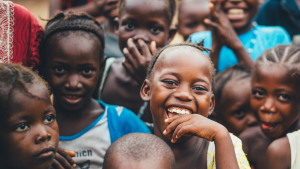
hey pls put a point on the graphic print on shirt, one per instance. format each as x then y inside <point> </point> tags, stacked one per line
<point>85,165</point>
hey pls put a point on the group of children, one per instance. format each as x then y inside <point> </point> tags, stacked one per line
<point>179,111</point>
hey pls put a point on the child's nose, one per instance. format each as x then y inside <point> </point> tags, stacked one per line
<point>42,134</point>
<point>141,34</point>
<point>73,82</point>
<point>268,106</point>
<point>235,1</point>
<point>183,95</point>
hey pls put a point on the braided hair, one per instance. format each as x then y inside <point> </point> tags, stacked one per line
<point>287,55</point>
<point>64,24</point>
<point>171,10</point>
<point>236,72</point>
<point>199,46</point>
<point>15,77</point>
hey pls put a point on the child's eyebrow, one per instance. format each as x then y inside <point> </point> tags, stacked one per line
<point>47,111</point>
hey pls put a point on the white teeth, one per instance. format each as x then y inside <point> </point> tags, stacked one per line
<point>235,11</point>
<point>179,111</point>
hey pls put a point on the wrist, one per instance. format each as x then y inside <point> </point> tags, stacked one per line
<point>222,133</point>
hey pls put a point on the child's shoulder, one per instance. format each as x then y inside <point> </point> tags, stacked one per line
<point>279,154</point>
<point>276,34</point>
<point>252,135</point>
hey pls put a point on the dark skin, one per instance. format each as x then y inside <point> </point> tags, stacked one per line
<point>30,136</point>
<point>275,104</point>
<point>185,83</point>
<point>73,65</point>
<point>110,25</point>
<point>117,162</point>
<point>190,17</point>
<point>279,154</point>
<point>233,110</point>
<point>141,23</point>
<point>226,28</point>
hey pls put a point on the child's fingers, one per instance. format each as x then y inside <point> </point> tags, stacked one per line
<point>210,23</point>
<point>62,162</point>
<point>71,153</point>
<point>132,72</point>
<point>178,128</point>
<point>129,58</point>
<point>64,157</point>
<point>145,49</point>
<point>153,47</point>
<point>184,130</point>
<point>132,48</point>
<point>56,165</point>
<point>175,123</point>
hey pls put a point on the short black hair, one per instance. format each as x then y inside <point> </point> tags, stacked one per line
<point>288,55</point>
<point>171,10</point>
<point>140,147</point>
<point>64,24</point>
<point>236,72</point>
<point>199,46</point>
<point>15,77</point>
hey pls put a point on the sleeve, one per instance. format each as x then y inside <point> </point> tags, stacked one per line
<point>282,37</point>
<point>240,155</point>
<point>131,123</point>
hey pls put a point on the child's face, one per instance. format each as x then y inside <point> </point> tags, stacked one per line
<point>146,20</point>
<point>275,99</point>
<point>73,66</point>
<point>191,16</point>
<point>181,80</point>
<point>29,135</point>
<point>240,12</point>
<point>233,109</point>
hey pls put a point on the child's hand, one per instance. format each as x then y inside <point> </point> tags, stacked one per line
<point>222,30</point>
<point>193,125</point>
<point>63,159</point>
<point>136,63</point>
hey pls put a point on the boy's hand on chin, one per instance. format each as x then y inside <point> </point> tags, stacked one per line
<point>136,63</point>
<point>194,125</point>
<point>222,30</point>
<point>63,160</point>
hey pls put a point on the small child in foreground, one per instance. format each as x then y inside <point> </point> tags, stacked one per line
<point>232,91</point>
<point>179,88</point>
<point>139,151</point>
<point>274,100</point>
<point>28,127</point>
<point>72,57</point>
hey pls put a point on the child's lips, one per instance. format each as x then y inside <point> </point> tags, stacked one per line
<point>46,153</point>
<point>72,99</point>
<point>269,126</point>
<point>236,14</point>
<point>172,111</point>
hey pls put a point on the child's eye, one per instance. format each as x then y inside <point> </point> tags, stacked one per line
<point>199,88</point>
<point>191,25</point>
<point>155,29</point>
<point>283,97</point>
<point>59,70</point>
<point>22,127</point>
<point>239,114</point>
<point>87,71</point>
<point>169,82</point>
<point>49,119</point>
<point>257,93</point>
<point>129,26</point>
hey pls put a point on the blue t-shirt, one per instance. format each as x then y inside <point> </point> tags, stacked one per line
<point>255,41</point>
<point>90,144</point>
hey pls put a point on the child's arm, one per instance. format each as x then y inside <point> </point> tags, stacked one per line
<point>279,154</point>
<point>224,35</point>
<point>197,125</point>
<point>63,160</point>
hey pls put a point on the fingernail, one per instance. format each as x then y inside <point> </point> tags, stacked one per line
<point>74,165</point>
<point>176,136</point>
<point>125,50</point>
<point>206,20</point>
<point>172,140</point>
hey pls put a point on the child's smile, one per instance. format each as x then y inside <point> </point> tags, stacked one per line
<point>180,84</point>
<point>274,99</point>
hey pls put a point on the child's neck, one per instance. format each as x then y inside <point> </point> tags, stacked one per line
<point>244,30</point>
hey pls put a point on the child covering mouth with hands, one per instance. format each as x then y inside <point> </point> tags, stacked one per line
<point>179,90</point>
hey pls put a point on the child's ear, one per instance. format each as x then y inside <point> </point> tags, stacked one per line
<point>212,105</point>
<point>172,33</point>
<point>145,91</point>
<point>116,25</point>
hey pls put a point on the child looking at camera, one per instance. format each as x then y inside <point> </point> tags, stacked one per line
<point>234,37</point>
<point>274,100</point>
<point>179,90</point>
<point>28,127</point>
<point>72,59</point>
